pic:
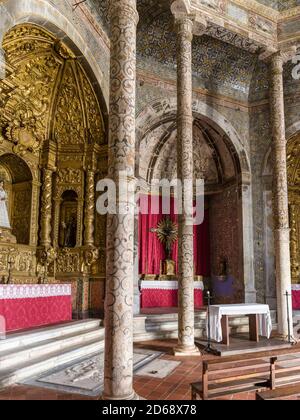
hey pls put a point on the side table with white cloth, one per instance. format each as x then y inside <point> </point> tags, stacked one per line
<point>260,322</point>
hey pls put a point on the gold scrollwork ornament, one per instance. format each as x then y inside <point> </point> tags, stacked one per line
<point>23,132</point>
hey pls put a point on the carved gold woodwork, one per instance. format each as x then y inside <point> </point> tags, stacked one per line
<point>50,118</point>
<point>293,163</point>
<point>76,260</point>
<point>21,257</point>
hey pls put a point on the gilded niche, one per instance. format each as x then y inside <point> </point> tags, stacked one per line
<point>293,164</point>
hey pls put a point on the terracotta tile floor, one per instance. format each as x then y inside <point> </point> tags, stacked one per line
<point>174,387</point>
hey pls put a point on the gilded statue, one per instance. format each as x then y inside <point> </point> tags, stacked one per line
<point>4,219</point>
<point>167,233</point>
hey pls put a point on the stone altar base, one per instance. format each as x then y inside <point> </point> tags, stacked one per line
<point>240,344</point>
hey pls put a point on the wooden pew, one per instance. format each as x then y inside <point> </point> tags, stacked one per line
<point>248,372</point>
<point>231,376</point>
<point>286,392</point>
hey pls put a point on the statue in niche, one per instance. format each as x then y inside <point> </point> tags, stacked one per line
<point>5,228</point>
<point>70,231</point>
<point>4,219</point>
<point>224,267</point>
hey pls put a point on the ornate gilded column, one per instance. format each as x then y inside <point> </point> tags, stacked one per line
<point>34,212</point>
<point>186,345</point>
<point>46,207</point>
<point>280,192</point>
<point>118,372</point>
<point>89,217</point>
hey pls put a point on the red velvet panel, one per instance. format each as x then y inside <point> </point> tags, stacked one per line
<point>296,299</point>
<point>34,312</point>
<point>161,298</point>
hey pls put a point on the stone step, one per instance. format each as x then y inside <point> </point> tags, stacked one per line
<point>165,325</point>
<point>11,358</point>
<point>31,368</point>
<point>38,335</point>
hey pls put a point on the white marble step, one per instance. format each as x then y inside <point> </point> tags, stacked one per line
<point>165,326</point>
<point>31,368</point>
<point>10,358</point>
<point>38,335</point>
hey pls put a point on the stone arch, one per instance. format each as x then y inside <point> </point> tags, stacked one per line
<point>266,173</point>
<point>291,131</point>
<point>163,111</point>
<point>49,17</point>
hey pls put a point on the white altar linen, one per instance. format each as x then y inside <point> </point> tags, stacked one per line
<point>167,284</point>
<point>217,311</point>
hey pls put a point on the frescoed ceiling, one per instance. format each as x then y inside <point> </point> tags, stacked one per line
<point>280,4</point>
<point>225,65</point>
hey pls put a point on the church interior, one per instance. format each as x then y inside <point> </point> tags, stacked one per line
<point>149,305</point>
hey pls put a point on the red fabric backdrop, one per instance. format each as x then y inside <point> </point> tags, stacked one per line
<point>151,251</point>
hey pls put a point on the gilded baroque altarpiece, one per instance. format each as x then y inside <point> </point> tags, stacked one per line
<point>293,163</point>
<point>52,153</point>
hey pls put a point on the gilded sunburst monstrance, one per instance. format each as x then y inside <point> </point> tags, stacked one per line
<point>167,233</point>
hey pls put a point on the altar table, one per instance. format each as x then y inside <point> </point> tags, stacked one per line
<point>296,296</point>
<point>259,317</point>
<point>164,294</point>
<point>28,306</point>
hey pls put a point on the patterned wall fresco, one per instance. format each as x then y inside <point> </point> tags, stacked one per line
<point>217,66</point>
<point>221,69</point>
<point>280,4</point>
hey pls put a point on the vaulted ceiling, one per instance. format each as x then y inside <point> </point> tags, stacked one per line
<point>280,4</point>
<point>217,65</point>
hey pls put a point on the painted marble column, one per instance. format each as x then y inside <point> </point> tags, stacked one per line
<point>118,372</point>
<point>89,217</point>
<point>46,207</point>
<point>280,195</point>
<point>186,345</point>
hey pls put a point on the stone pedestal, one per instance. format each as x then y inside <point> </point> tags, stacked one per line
<point>6,236</point>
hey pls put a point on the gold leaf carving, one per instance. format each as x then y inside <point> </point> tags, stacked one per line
<point>69,126</point>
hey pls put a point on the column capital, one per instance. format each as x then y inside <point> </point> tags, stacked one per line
<point>279,57</point>
<point>124,8</point>
<point>181,12</point>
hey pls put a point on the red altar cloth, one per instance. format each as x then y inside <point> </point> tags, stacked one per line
<point>296,296</point>
<point>164,294</point>
<point>28,306</point>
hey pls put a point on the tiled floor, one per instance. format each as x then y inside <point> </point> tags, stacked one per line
<point>175,387</point>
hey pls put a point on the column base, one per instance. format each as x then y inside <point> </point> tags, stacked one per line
<point>131,397</point>
<point>186,351</point>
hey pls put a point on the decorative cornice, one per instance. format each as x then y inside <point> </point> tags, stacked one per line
<point>283,54</point>
<point>290,13</point>
<point>260,9</point>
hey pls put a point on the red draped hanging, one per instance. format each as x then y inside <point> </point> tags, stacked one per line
<point>151,251</point>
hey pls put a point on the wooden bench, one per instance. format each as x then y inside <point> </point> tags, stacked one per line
<point>286,392</point>
<point>231,375</point>
<point>248,372</point>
